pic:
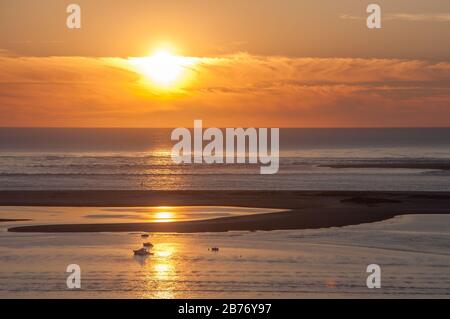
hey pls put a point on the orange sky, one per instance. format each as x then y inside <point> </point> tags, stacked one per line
<point>279,63</point>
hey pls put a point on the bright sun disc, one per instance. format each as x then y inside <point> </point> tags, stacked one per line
<point>163,68</point>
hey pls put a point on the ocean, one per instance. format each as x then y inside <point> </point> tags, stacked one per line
<point>394,159</point>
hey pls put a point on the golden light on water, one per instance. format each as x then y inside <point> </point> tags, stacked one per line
<point>162,270</point>
<point>162,214</point>
<point>164,207</point>
<point>161,273</point>
<point>164,253</point>
<point>163,217</point>
<point>164,69</point>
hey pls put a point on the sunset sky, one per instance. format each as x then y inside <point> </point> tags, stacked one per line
<point>267,63</point>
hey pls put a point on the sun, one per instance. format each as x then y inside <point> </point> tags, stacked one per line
<point>163,68</point>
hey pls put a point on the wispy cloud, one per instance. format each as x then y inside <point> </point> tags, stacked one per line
<point>346,16</point>
<point>439,17</point>
<point>5,53</point>
<point>432,17</point>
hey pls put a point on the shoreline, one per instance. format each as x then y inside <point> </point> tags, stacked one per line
<point>6,220</point>
<point>420,166</point>
<point>306,209</point>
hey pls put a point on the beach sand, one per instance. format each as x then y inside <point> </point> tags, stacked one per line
<point>306,209</point>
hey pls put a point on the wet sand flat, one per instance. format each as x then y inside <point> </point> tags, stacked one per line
<point>306,209</point>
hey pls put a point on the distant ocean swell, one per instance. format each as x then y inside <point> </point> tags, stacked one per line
<point>311,159</point>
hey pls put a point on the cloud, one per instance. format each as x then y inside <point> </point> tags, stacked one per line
<point>233,90</point>
<point>439,17</point>
<point>351,17</point>
<point>6,53</point>
<point>432,17</point>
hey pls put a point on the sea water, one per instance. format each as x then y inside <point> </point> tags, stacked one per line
<point>55,159</point>
<point>413,252</point>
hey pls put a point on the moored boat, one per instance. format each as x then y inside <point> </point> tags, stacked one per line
<point>142,252</point>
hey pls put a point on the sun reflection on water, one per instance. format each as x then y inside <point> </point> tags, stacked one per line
<point>163,217</point>
<point>163,270</point>
<point>160,273</point>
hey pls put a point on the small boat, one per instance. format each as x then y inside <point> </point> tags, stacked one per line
<point>147,244</point>
<point>215,249</point>
<point>144,235</point>
<point>142,252</point>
